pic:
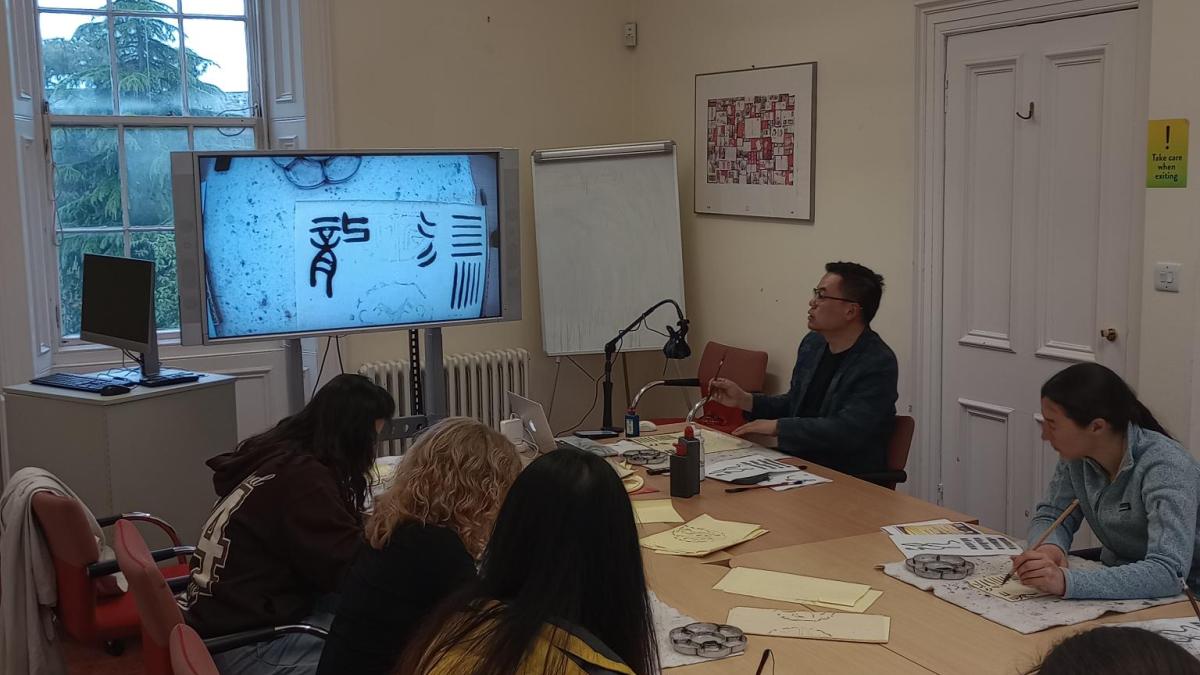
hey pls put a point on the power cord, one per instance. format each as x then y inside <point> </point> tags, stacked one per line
<point>595,397</point>
<point>554,387</point>
<point>321,370</point>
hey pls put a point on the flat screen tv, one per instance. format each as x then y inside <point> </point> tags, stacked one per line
<point>274,244</point>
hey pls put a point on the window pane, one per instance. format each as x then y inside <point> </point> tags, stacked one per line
<point>225,138</point>
<point>73,4</point>
<point>75,64</point>
<point>148,65</point>
<point>218,70</point>
<point>70,271</point>
<point>156,6</point>
<point>148,166</point>
<point>160,247</point>
<point>87,185</point>
<point>222,7</point>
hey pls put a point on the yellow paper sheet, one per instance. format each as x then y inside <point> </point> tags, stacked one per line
<point>702,536</point>
<point>621,468</point>
<point>811,625</point>
<point>864,603</point>
<point>655,511</point>
<point>714,441</point>
<point>633,482</point>
<point>791,587</point>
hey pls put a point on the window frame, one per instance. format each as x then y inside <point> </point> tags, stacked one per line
<point>121,123</point>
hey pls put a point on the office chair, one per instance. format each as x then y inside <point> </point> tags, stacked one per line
<point>87,613</point>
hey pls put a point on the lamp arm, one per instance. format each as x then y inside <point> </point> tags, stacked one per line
<point>611,346</point>
<point>610,351</point>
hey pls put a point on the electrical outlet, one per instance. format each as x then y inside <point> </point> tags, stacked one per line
<point>1166,277</point>
<point>629,34</point>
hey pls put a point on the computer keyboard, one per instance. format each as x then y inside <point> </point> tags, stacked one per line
<point>78,382</point>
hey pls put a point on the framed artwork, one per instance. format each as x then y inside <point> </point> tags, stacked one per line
<point>754,141</point>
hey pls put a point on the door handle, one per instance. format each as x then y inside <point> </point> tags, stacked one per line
<point>1109,334</point>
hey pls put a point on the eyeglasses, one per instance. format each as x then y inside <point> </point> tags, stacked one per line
<point>819,296</point>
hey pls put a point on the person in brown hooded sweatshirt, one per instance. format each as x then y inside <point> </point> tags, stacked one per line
<point>286,526</point>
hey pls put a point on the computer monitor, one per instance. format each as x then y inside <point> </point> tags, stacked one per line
<point>285,244</point>
<point>118,307</point>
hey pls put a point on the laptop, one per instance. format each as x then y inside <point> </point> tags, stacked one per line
<point>537,428</point>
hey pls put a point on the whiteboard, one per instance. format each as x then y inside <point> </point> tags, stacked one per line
<point>608,245</point>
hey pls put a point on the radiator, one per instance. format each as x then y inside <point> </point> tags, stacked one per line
<point>476,385</point>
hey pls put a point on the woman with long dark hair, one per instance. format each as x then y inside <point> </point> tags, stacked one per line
<point>1138,489</point>
<point>561,587</point>
<point>286,526</point>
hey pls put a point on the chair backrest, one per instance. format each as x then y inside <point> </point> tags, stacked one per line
<point>68,534</point>
<point>189,656</point>
<point>155,603</point>
<point>747,368</point>
<point>900,442</point>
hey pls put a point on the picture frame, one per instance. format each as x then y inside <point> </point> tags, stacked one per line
<point>755,141</point>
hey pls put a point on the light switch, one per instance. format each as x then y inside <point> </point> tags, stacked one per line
<point>1166,277</point>
<point>629,34</point>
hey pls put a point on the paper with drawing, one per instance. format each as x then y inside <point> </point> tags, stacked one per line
<point>746,467</point>
<point>811,625</point>
<point>1183,632</point>
<point>940,526</point>
<point>1013,591</point>
<point>1026,616</point>
<point>702,536</point>
<point>791,587</point>
<point>955,544</point>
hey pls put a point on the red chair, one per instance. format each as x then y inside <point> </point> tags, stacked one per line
<point>189,656</point>
<point>897,455</point>
<point>86,614</point>
<point>155,603</point>
<point>160,614</point>
<point>745,367</point>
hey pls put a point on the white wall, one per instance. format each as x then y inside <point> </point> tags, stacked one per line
<point>1169,380</point>
<point>526,74</point>
<point>540,73</point>
<point>749,279</point>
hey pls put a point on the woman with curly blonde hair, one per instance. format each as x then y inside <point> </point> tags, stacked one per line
<point>423,537</point>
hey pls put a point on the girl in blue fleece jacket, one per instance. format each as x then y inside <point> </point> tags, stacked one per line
<point>1137,488</point>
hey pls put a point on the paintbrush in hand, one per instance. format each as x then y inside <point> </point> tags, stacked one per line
<point>1042,539</point>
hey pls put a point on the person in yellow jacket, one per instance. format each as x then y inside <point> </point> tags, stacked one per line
<point>561,589</point>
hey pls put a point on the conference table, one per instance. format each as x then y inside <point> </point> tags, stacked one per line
<point>831,530</point>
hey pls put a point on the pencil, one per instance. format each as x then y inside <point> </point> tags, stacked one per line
<point>1191,599</point>
<point>1042,539</point>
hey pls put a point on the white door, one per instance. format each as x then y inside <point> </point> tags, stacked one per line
<point>1038,233</point>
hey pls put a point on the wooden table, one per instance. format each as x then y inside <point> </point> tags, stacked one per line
<point>845,507</point>
<point>927,630</point>
<point>832,531</point>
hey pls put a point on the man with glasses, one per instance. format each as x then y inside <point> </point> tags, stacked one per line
<point>841,406</point>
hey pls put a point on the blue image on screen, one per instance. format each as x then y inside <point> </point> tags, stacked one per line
<point>320,243</point>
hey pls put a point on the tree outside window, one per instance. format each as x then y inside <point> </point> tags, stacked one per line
<point>182,81</point>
